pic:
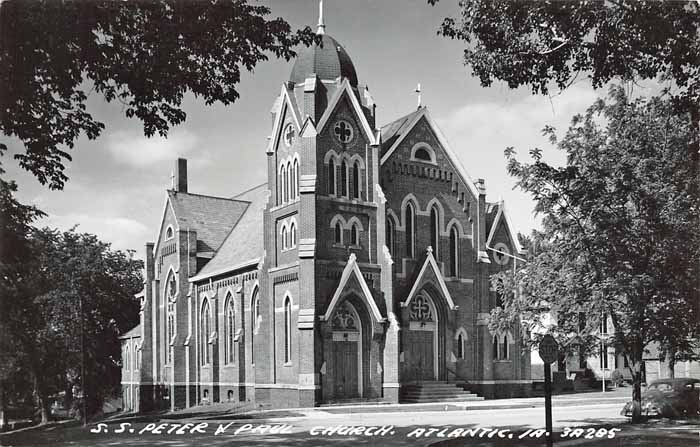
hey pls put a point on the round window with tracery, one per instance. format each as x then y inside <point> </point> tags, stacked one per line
<point>421,310</point>
<point>343,131</point>
<point>288,135</point>
<point>344,319</point>
<point>501,253</point>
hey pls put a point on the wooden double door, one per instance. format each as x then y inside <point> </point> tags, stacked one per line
<point>346,377</point>
<point>420,355</point>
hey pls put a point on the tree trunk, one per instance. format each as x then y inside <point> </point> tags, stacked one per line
<point>3,420</point>
<point>41,399</point>
<point>636,370</point>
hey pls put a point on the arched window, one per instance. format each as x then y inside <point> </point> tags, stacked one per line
<point>434,231</point>
<point>296,178</point>
<point>283,233</point>
<point>171,295</point>
<point>230,329</point>
<point>354,235</point>
<point>408,225</point>
<point>504,352</point>
<point>169,233</point>
<point>290,182</point>
<point>454,252</point>
<point>287,330</point>
<point>390,234</point>
<point>283,184</point>
<point>205,331</point>
<point>422,154</point>
<point>127,357</point>
<point>356,180</point>
<point>254,321</point>
<point>343,179</point>
<point>331,177</point>
<point>460,346</point>
<point>338,233</point>
<point>293,235</point>
<point>495,347</point>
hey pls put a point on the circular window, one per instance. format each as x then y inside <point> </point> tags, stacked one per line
<point>343,131</point>
<point>501,253</point>
<point>288,134</point>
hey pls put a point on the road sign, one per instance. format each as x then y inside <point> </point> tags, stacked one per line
<point>549,351</point>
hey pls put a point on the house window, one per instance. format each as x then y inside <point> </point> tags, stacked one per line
<point>434,230</point>
<point>390,234</point>
<point>354,235</point>
<point>331,177</point>
<point>356,180</point>
<point>408,225</point>
<point>343,179</point>
<point>205,332</point>
<point>338,233</point>
<point>454,252</point>
<point>230,329</point>
<point>287,330</point>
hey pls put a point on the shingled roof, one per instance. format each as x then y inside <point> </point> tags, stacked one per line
<point>392,131</point>
<point>244,244</point>
<point>211,217</point>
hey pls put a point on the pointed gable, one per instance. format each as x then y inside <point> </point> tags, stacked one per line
<point>345,93</point>
<point>352,273</point>
<point>285,106</point>
<point>500,217</point>
<point>430,273</point>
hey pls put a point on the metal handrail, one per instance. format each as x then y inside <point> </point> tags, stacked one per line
<point>457,376</point>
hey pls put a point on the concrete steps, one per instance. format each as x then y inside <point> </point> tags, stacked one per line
<point>437,391</point>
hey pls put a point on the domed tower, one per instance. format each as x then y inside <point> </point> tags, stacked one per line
<point>322,243</point>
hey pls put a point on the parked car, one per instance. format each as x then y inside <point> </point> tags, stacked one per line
<point>669,398</point>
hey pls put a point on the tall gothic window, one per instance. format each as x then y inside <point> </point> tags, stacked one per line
<point>293,235</point>
<point>127,357</point>
<point>356,180</point>
<point>296,178</point>
<point>495,347</point>
<point>287,330</point>
<point>205,327</point>
<point>254,322</point>
<point>454,252</point>
<point>171,295</point>
<point>343,179</point>
<point>285,242</point>
<point>390,235</point>
<point>290,181</point>
<point>408,225</point>
<point>331,177</point>
<point>354,235</point>
<point>504,352</point>
<point>338,233</point>
<point>230,329</point>
<point>434,230</point>
<point>460,346</point>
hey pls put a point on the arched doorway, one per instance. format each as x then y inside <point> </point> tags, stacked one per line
<point>346,352</point>
<point>421,342</point>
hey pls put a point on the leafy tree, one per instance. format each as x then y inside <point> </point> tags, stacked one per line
<point>537,44</point>
<point>77,297</point>
<point>144,54</point>
<point>619,233</point>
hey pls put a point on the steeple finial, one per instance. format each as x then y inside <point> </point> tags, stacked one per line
<point>419,96</point>
<point>321,26</point>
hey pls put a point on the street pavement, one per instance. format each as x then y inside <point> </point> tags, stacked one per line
<point>576,420</point>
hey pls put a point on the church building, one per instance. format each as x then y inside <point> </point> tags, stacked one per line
<point>359,271</point>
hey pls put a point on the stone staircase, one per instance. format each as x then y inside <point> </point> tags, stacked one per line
<point>437,391</point>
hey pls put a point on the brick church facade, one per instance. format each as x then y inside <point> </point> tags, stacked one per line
<point>362,265</point>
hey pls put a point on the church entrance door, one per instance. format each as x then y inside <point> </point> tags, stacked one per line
<point>421,340</point>
<point>346,353</point>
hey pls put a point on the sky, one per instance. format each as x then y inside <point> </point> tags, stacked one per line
<point>117,183</point>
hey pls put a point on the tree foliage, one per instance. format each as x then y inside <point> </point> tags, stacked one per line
<point>144,54</point>
<point>74,298</point>
<point>619,231</point>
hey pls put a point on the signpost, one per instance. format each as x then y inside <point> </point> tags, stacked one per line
<point>549,351</point>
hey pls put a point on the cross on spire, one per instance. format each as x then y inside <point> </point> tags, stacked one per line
<point>172,179</point>
<point>321,29</point>
<point>417,91</point>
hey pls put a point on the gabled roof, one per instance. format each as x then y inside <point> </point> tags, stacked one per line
<point>355,104</point>
<point>351,268</point>
<point>500,213</point>
<point>288,100</point>
<point>131,333</point>
<point>405,128</point>
<point>211,217</point>
<point>431,265</point>
<point>396,129</point>
<point>244,244</point>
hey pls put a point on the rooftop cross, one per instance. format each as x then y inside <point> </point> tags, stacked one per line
<point>321,26</point>
<point>419,97</point>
